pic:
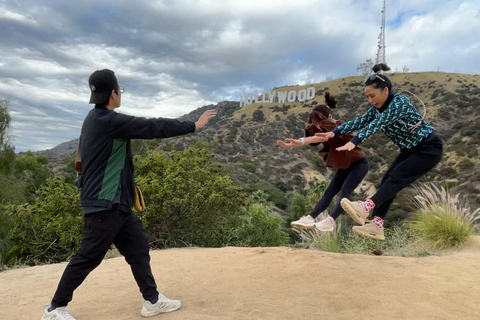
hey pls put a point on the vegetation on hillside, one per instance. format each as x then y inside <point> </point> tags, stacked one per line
<point>230,184</point>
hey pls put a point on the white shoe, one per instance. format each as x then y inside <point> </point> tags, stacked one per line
<point>305,222</point>
<point>325,225</point>
<point>161,306</point>
<point>60,313</point>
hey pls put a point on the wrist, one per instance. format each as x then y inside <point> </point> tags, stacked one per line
<point>302,140</point>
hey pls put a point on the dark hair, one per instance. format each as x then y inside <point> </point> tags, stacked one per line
<point>322,111</point>
<point>376,82</point>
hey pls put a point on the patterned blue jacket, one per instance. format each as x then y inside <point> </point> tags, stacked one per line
<point>395,121</point>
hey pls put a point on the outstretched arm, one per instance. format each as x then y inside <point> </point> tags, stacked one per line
<point>129,127</point>
<point>357,123</point>
<point>295,143</point>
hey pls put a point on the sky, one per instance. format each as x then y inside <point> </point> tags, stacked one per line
<point>173,56</point>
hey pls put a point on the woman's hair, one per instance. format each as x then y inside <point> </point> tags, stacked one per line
<point>378,80</point>
<point>322,111</point>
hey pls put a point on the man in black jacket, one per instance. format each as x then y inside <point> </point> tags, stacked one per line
<point>107,195</point>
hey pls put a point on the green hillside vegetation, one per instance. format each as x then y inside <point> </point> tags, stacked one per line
<point>230,184</point>
<point>244,138</point>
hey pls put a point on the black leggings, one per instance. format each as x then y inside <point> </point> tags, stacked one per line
<point>408,166</point>
<point>344,181</point>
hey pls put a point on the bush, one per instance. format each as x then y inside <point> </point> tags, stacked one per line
<point>189,201</point>
<point>250,167</point>
<point>256,226</point>
<point>275,195</point>
<point>258,115</point>
<point>465,164</point>
<point>443,219</point>
<point>299,206</point>
<point>442,229</point>
<point>6,223</point>
<point>49,230</point>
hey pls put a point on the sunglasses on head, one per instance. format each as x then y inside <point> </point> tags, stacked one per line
<point>374,76</point>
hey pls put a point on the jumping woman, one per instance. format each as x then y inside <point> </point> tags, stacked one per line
<point>420,148</point>
<point>350,167</point>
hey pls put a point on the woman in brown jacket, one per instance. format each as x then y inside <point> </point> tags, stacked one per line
<point>351,166</point>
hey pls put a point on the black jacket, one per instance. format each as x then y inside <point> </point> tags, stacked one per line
<point>106,154</point>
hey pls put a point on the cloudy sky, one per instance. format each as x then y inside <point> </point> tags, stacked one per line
<point>173,56</point>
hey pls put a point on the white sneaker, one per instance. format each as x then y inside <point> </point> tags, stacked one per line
<point>325,225</point>
<point>60,313</point>
<point>305,222</point>
<point>161,306</point>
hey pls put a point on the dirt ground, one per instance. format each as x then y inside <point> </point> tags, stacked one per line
<point>264,283</point>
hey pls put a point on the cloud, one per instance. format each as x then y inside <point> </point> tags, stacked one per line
<point>175,56</point>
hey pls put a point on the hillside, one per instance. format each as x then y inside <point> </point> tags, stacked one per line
<point>264,283</point>
<point>247,142</point>
<point>452,102</point>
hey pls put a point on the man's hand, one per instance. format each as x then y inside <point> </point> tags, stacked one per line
<point>203,120</point>
<point>347,147</point>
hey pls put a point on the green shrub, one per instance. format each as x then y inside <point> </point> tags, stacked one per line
<point>258,115</point>
<point>189,200</point>
<point>275,195</point>
<point>465,164</point>
<point>6,223</point>
<point>250,167</point>
<point>257,226</point>
<point>299,206</point>
<point>442,229</point>
<point>49,230</point>
<point>443,218</point>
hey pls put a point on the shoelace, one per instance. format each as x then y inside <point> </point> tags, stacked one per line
<point>163,302</point>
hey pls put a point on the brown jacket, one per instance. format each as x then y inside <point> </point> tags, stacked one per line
<point>332,157</point>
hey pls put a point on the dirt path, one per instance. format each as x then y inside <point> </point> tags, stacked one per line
<point>265,283</point>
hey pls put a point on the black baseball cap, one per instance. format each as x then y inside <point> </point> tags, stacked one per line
<point>101,84</point>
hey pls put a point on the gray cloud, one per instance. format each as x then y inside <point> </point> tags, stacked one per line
<point>175,56</point>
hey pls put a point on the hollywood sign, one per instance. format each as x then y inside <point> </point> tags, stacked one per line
<point>275,96</point>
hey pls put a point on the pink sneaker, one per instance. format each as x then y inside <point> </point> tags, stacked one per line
<point>325,225</point>
<point>305,222</point>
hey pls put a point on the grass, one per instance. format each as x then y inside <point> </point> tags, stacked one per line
<point>444,219</point>
<point>400,241</point>
<point>442,229</point>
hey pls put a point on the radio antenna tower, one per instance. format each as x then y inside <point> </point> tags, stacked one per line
<point>365,68</point>
<point>381,39</point>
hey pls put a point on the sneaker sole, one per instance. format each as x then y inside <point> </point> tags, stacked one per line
<point>351,212</point>
<point>154,313</point>
<point>324,230</point>
<point>368,235</point>
<point>302,226</point>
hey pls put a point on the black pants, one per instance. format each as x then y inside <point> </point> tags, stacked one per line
<point>344,181</point>
<point>101,229</point>
<point>408,166</point>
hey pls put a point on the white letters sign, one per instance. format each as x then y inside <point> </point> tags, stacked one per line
<point>279,96</point>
